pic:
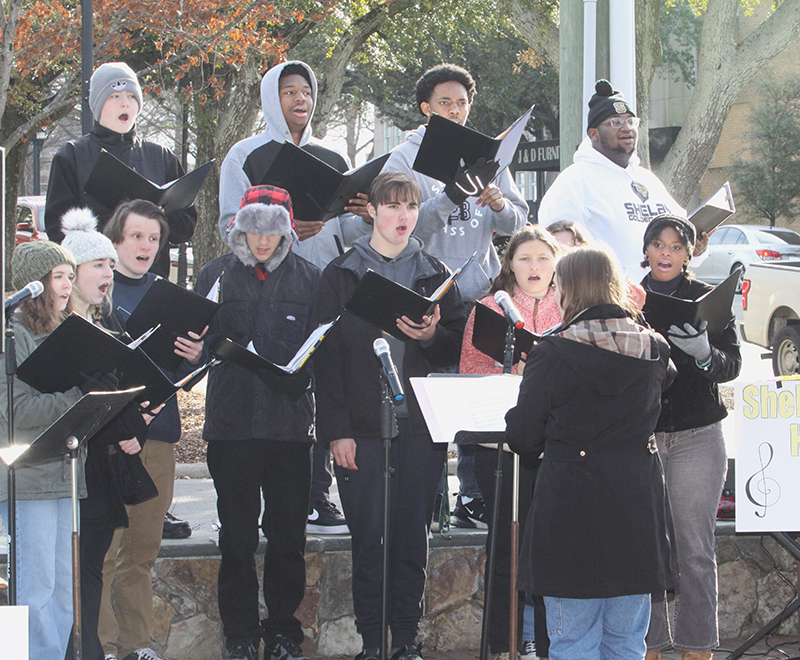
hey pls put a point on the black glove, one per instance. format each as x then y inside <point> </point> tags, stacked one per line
<point>471,181</point>
<point>97,382</point>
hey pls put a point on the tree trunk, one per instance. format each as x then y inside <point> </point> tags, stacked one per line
<point>15,166</point>
<point>724,68</point>
<point>648,56</point>
<point>331,73</point>
<point>220,124</point>
<point>535,23</point>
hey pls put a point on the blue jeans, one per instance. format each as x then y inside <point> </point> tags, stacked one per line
<point>597,628</point>
<point>44,572</point>
<point>694,470</point>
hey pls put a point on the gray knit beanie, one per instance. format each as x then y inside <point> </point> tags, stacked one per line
<point>83,239</point>
<point>109,78</point>
<point>33,260</point>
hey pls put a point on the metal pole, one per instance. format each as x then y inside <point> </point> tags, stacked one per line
<point>570,78</point>
<point>11,369</point>
<point>87,63</point>
<point>77,619</point>
<point>388,431</point>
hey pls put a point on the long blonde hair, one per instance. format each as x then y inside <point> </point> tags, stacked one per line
<point>589,276</point>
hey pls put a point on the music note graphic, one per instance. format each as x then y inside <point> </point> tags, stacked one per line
<point>766,488</point>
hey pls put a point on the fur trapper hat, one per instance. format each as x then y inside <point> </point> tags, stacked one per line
<point>83,239</point>
<point>266,210</point>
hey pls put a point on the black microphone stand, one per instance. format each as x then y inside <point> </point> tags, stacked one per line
<point>11,370</point>
<point>388,432</point>
<point>508,363</point>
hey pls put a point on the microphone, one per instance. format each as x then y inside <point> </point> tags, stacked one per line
<point>381,348</point>
<point>32,290</point>
<point>509,309</point>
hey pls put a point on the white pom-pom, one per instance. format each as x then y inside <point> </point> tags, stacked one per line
<point>78,220</point>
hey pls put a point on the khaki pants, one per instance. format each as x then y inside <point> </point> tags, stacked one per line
<point>126,611</point>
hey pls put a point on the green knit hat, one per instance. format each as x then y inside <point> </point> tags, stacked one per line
<point>33,260</point>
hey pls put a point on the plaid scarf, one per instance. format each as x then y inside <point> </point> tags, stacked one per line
<point>621,336</point>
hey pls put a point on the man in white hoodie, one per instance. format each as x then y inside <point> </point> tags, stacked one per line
<point>288,98</point>
<point>606,189</point>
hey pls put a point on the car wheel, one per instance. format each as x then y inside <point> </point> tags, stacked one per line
<point>741,276</point>
<point>786,352</point>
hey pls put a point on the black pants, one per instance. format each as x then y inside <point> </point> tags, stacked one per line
<point>418,465</point>
<point>94,545</point>
<point>321,473</point>
<point>500,619</point>
<point>243,471</point>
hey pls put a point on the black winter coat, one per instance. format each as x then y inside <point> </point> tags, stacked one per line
<point>276,316</point>
<point>73,164</point>
<point>693,399</point>
<point>597,526</point>
<point>347,371</point>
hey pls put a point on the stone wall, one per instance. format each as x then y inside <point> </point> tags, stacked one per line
<point>756,578</point>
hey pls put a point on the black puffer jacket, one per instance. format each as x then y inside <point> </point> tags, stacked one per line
<point>693,399</point>
<point>347,372</point>
<point>74,162</point>
<point>276,316</point>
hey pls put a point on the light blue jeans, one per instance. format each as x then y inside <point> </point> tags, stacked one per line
<point>44,572</point>
<point>597,628</point>
<point>694,469</point>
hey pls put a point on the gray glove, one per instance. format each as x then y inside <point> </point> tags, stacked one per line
<point>690,341</point>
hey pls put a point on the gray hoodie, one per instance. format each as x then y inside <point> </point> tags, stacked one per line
<point>453,233</point>
<point>233,182</point>
<point>401,270</point>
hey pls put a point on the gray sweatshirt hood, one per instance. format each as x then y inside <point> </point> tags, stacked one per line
<point>401,269</point>
<point>277,128</point>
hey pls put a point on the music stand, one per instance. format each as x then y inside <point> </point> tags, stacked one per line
<point>65,435</point>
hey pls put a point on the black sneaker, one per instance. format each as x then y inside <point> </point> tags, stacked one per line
<point>243,649</point>
<point>325,518</point>
<point>408,652</point>
<point>469,515</point>
<point>369,654</point>
<point>283,648</point>
<point>142,654</point>
<point>175,528</point>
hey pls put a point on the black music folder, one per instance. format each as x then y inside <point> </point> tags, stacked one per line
<point>78,348</point>
<point>177,311</point>
<point>489,335</point>
<point>714,307</point>
<point>318,191</point>
<point>447,143</point>
<point>380,301</point>
<point>714,211</point>
<point>112,181</point>
<point>252,361</point>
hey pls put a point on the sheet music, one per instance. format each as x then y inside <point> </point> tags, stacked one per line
<point>305,351</point>
<point>465,403</point>
<point>213,294</point>
<point>137,342</point>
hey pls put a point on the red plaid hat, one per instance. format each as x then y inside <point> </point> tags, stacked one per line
<point>267,195</point>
